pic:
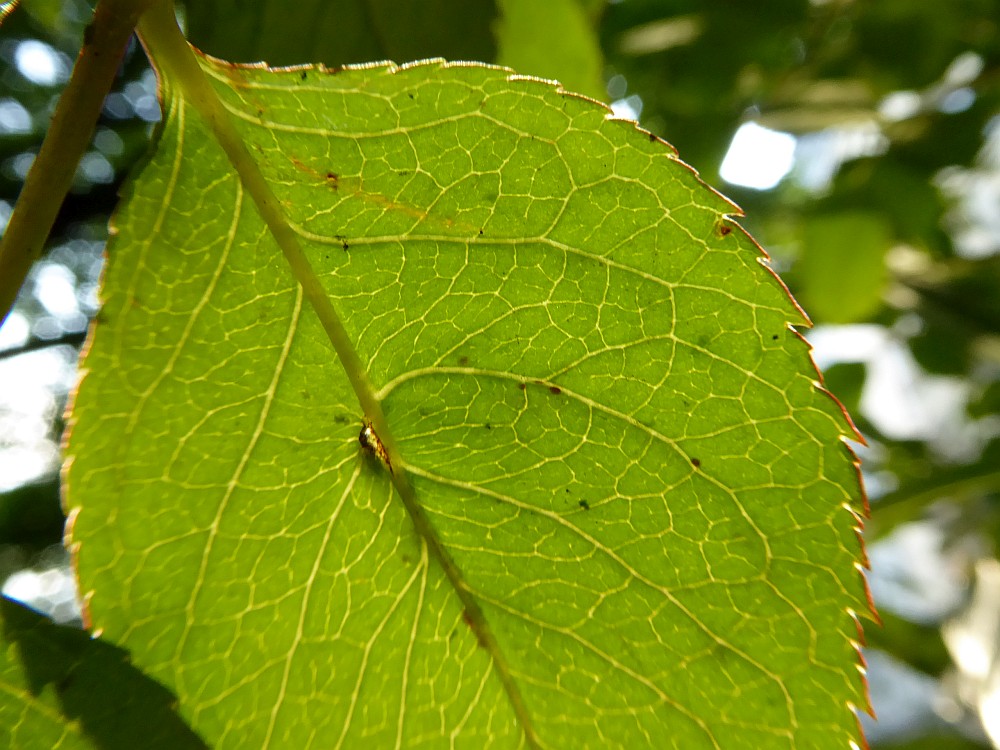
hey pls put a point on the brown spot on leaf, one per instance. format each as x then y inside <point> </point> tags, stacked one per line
<point>696,463</point>
<point>555,390</point>
<point>585,505</point>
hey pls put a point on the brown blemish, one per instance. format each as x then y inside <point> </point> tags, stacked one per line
<point>468,621</point>
<point>354,187</point>
<point>585,505</point>
<point>555,390</point>
<point>696,463</point>
<point>235,75</point>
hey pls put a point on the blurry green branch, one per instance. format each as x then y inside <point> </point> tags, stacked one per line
<point>76,338</point>
<point>960,484</point>
<point>51,174</point>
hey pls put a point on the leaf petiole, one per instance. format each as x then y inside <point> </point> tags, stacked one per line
<point>173,57</point>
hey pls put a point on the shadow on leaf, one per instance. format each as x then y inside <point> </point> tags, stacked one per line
<point>92,683</point>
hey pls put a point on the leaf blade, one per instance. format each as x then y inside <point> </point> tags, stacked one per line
<point>573,305</point>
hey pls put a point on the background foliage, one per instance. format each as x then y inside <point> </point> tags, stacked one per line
<point>887,219</point>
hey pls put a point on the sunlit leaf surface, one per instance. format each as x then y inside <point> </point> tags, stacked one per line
<point>593,383</point>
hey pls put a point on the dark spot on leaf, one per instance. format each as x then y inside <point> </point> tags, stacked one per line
<point>63,685</point>
<point>303,75</point>
<point>723,229</point>
<point>468,621</point>
<point>696,463</point>
<point>463,361</point>
<point>260,111</point>
<point>480,232</point>
<point>410,95</point>
<point>488,426</point>
<point>340,419</point>
<point>522,386</point>
<point>585,505</point>
<point>333,180</point>
<point>652,138</point>
<point>343,241</point>
<point>774,337</point>
<point>555,390</point>
<point>402,173</point>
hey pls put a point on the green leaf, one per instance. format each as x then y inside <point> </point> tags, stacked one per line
<point>62,689</point>
<point>590,376</point>
<point>842,268</point>
<point>336,32</point>
<point>554,39</point>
